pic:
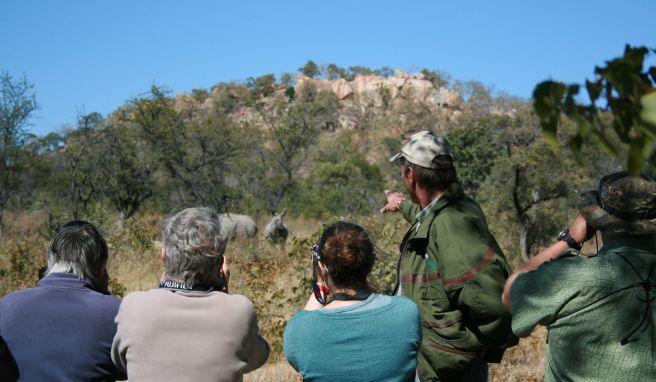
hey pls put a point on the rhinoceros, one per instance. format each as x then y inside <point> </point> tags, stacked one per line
<point>276,231</point>
<point>237,225</point>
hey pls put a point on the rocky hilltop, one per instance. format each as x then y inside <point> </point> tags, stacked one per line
<point>363,92</point>
<point>379,91</point>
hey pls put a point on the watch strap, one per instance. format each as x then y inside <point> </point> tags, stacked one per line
<point>567,238</point>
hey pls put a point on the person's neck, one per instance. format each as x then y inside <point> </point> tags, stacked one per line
<point>341,303</point>
<point>426,197</point>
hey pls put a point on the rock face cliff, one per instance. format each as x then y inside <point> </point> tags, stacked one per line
<point>378,91</point>
<point>362,93</point>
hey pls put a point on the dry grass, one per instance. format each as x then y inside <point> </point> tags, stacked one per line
<point>275,278</point>
<point>280,371</point>
<point>524,362</point>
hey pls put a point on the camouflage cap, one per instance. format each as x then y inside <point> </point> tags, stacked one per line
<point>422,148</point>
<point>622,205</point>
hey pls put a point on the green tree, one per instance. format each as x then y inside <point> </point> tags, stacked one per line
<point>341,181</point>
<point>127,170</point>
<point>529,187</point>
<point>310,69</point>
<point>478,97</point>
<point>478,146</point>
<point>358,69</point>
<point>334,72</point>
<point>229,97</point>
<point>292,128</point>
<point>437,78</point>
<point>17,103</point>
<point>624,88</point>
<point>385,71</point>
<point>82,163</point>
<point>193,155</point>
<point>262,86</point>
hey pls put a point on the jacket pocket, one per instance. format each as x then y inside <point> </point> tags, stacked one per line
<point>448,327</point>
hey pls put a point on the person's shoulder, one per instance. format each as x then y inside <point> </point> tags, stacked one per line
<point>403,301</point>
<point>404,306</point>
<point>16,297</point>
<point>141,294</point>
<point>18,294</point>
<point>108,299</point>
<point>303,321</point>
<point>143,299</point>
<point>237,301</point>
<point>569,265</point>
<point>302,315</point>
<point>571,258</point>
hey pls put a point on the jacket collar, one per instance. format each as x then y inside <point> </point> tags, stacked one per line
<point>452,194</point>
<point>67,280</point>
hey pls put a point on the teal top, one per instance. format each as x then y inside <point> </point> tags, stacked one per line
<point>599,312</point>
<point>374,340</point>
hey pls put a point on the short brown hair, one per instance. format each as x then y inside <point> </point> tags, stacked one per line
<point>348,253</point>
<point>439,178</point>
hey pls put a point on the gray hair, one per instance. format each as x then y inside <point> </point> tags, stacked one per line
<point>193,247</point>
<point>79,248</point>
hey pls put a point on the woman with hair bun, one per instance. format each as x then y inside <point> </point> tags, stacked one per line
<point>347,332</point>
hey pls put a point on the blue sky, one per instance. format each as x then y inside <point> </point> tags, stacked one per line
<point>95,55</point>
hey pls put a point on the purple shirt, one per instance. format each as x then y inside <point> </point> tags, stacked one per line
<point>62,330</point>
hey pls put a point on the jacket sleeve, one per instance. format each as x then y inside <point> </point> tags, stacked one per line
<point>257,347</point>
<point>469,324</point>
<point>474,273</point>
<point>480,301</point>
<point>409,210</point>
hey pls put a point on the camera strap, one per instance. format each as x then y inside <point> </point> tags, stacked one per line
<point>360,295</point>
<point>170,284</point>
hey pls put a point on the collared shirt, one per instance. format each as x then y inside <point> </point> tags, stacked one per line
<point>597,311</point>
<point>421,215</point>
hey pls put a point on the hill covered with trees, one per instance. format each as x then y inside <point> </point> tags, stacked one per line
<point>315,144</point>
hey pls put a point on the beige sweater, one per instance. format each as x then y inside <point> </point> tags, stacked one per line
<point>187,336</point>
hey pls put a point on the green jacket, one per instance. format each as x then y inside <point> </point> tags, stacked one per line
<point>452,267</point>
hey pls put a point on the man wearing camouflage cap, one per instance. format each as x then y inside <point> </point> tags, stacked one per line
<point>450,265</point>
<point>599,309</point>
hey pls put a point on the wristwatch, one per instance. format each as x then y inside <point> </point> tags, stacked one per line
<point>567,238</point>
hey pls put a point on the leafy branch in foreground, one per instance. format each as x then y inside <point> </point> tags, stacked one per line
<point>621,87</point>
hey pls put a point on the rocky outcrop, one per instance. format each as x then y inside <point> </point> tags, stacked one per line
<point>379,91</point>
<point>363,92</point>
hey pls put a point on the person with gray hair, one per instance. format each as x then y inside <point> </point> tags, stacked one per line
<point>62,329</point>
<point>190,328</point>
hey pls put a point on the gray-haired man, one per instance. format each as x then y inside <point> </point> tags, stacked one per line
<point>189,329</point>
<point>62,330</point>
<point>599,310</point>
